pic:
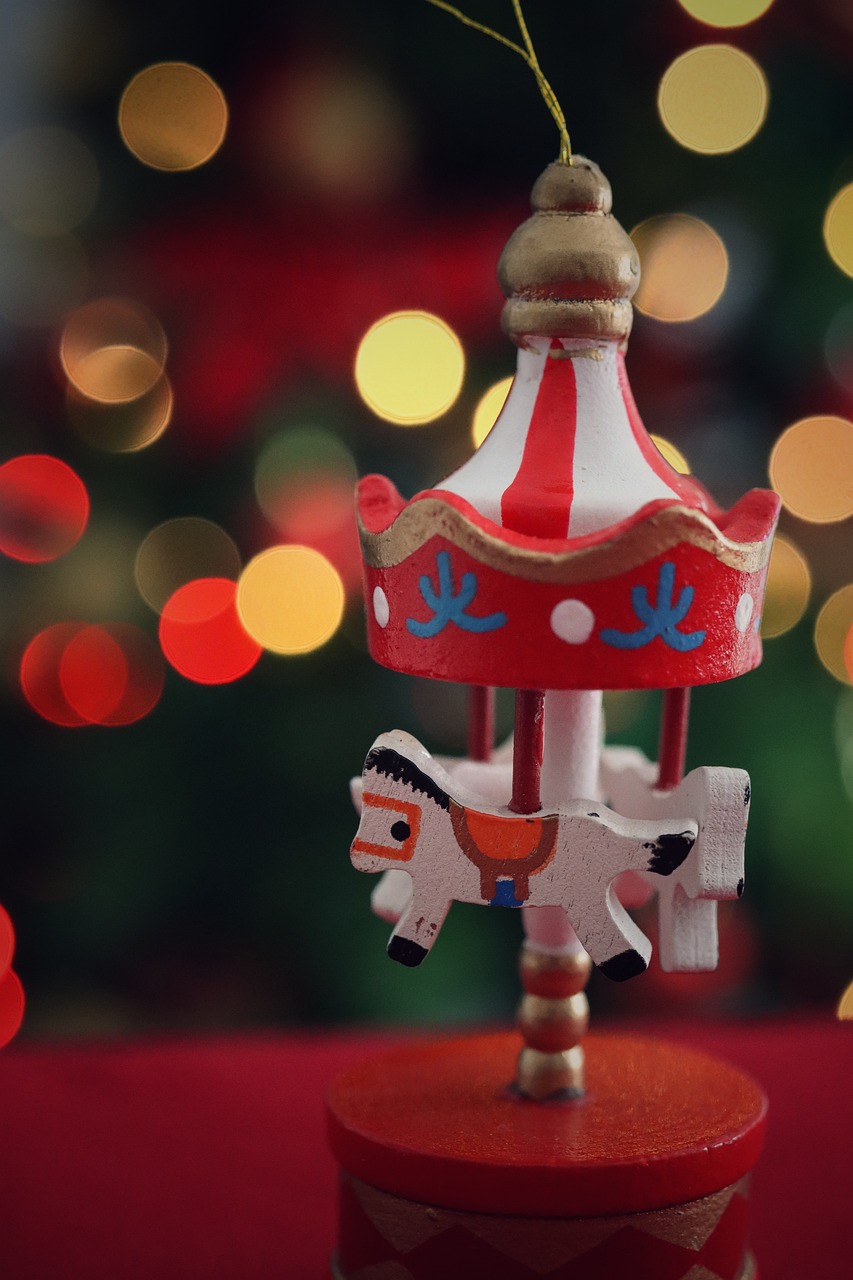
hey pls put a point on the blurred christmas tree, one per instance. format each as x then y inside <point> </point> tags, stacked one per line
<point>200,221</point>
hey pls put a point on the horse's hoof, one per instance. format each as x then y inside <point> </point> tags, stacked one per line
<point>624,966</point>
<point>406,952</point>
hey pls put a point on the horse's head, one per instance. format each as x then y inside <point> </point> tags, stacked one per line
<point>399,795</point>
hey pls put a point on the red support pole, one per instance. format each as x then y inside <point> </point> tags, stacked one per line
<point>527,751</point>
<point>673,738</point>
<point>481,722</point>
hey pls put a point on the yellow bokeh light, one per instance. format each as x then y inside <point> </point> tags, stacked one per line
<point>845,1005</point>
<point>409,367</point>
<point>726,13</point>
<point>684,267</point>
<point>488,409</point>
<point>789,583</point>
<point>113,350</point>
<point>811,468</point>
<point>172,116</point>
<point>674,457</point>
<point>290,599</point>
<point>713,99</point>
<point>831,631</point>
<point>838,229</point>
<point>180,551</point>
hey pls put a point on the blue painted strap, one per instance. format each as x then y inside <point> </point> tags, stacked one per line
<point>449,606</point>
<point>505,895</point>
<point>660,619</point>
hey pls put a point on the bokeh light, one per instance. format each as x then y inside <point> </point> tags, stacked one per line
<point>838,347</point>
<point>11,1006</point>
<point>832,629</point>
<point>789,583</point>
<point>726,13</point>
<point>172,116</point>
<point>113,350</point>
<point>201,633</point>
<point>488,410</point>
<point>409,367</point>
<point>304,480</point>
<point>74,674</point>
<point>122,427</point>
<point>44,508</point>
<point>93,673</point>
<point>811,468</point>
<point>674,457</point>
<point>39,675</point>
<point>845,1005</point>
<point>329,127</point>
<point>290,599</point>
<point>684,267</point>
<point>838,229</point>
<point>7,940</point>
<point>48,181</point>
<point>713,99</point>
<point>178,551</point>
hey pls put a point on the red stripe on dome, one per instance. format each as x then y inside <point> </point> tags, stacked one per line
<point>539,499</point>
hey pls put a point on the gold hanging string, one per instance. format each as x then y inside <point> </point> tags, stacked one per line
<point>528,53</point>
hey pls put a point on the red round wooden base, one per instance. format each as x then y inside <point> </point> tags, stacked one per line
<point>447,1173</point>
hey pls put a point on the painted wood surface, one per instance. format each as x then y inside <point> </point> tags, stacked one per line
<point>417,818</point>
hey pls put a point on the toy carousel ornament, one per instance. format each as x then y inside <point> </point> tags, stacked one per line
<point>565,558</point>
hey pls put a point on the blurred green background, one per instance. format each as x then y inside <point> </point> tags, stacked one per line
<point>190,870</point>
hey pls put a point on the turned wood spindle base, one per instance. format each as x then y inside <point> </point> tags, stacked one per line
<point>553,1018</point>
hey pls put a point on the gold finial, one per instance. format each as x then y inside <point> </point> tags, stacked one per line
<point>528,53</point>
<point>570,271</point>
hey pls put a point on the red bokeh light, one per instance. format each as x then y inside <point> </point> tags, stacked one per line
<point>11,1006</point>
<point>319,512</point>
<point>73,674</point>
<point>7,941</point>
<point>93,674</point>
<point>201,633</point>
<point>44,508</point>
<point>40,674</point>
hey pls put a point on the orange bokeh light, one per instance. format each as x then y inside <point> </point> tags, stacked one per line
<point>44,508</point>
<point>201,633</point>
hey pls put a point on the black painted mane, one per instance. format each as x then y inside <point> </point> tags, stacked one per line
<point>390,763</point>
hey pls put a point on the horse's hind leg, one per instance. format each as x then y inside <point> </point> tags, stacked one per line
<point>416,930</point>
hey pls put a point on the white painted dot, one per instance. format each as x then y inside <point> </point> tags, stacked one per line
<point>572,621</point>
<point>743,612</point>
<point>381,610</point>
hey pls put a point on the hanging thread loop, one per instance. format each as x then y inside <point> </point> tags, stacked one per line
<point>528,53</point>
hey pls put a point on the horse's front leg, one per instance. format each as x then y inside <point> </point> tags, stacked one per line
<point>615,943</point>
<point>417,929</point>
<point>391,896</point>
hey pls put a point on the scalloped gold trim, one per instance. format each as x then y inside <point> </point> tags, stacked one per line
<point>659,533</point>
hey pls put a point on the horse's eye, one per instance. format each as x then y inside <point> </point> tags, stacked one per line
<point>401,831</point>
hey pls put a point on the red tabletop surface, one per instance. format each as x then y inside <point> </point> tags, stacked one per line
<point>206,1159</point>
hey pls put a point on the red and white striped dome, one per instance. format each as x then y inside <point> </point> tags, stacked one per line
<point>569,455</point>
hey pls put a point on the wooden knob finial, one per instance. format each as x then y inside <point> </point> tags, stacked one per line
<point>570,270</point>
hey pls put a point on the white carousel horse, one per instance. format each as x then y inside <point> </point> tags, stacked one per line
<point>456,847</point>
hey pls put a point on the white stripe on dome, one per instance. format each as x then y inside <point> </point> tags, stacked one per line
<point>612,479</point>
<point>492,469</point>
